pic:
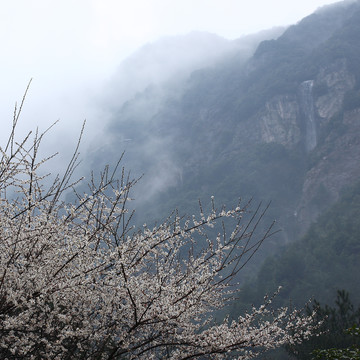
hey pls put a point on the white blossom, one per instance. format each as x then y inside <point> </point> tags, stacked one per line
<point>76,281</point>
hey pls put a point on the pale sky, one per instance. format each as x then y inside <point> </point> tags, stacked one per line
<point>70,47</point>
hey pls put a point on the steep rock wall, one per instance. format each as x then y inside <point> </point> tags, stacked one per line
<point>333,81</point>
<point>334,163</point>
<point>279,121</point>
<point>315,122</point>
<point>336,169</point>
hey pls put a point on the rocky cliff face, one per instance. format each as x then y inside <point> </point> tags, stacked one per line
<point>280,121</point>
<point>334,80</point>
<point>294,121</point>
<point>289,119</point>
<point>332,172</point>
<point>338,154</point>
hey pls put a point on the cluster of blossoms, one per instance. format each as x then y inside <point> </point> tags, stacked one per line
<point>78,282</point>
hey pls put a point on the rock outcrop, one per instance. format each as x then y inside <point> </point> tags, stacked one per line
<point>279,121</point>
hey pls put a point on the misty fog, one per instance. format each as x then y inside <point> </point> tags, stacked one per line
<point>143,85</point>
<point>88,59</point>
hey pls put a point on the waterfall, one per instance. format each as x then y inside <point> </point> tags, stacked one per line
<point>307,105</point>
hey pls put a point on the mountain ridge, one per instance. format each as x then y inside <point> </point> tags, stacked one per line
<point>281,125</point>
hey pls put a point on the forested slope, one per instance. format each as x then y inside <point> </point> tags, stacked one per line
<point>325,260</point>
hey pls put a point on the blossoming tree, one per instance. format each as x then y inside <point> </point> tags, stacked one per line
<point>78,282</point>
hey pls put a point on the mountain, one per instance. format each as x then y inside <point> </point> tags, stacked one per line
<point>173,58</point>
<point>277,120</point>
<point>150,83</point>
